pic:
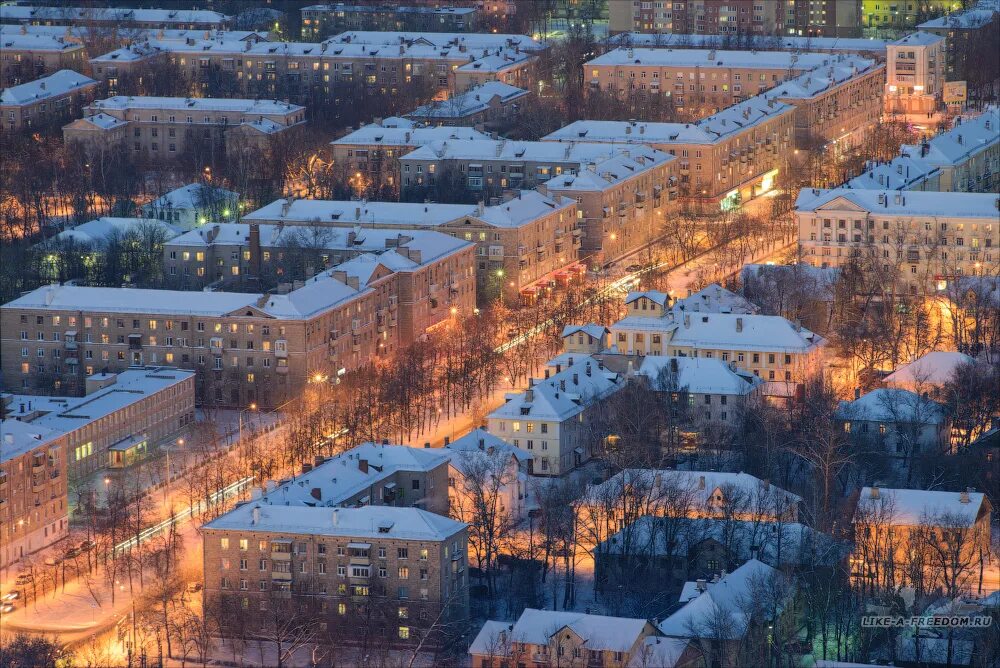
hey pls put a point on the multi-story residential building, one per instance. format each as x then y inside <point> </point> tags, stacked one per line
<point>485,469</point>
<point>302,71</point>
<point>552,418</point>
<point>526,238</point>
<point>24,58</point>
<point>246,348</point>
<point>722,160</point>
<point>915,74</point>
<point>588,339</point>
<point>341,566</point>
<point>321,21</point>
<point>702,81</point>
<point>822,18</point>
<point>490,105</point>
<point>963,32</point>
<point>371,474</point>
<point>372,152</point>
<point>768,346</point>
<point>194,205</point>
<point>33,490</point>
<point>903,16</point>
<point>84,32</point>
<point>621,201</point>
<point>902,423</point>
<point>902,173</point>
<point>966,157</point>
<point>704,391</point>
<point>542,637</point>
<point>119,419</point>
<point>52,99</point>
<point>163,128</point>
<point>926,239</point>
<point>697,17</point>
<point>898,530</point>
<point>928,374</point>
<point>114,17</point>
<point>867,48</point>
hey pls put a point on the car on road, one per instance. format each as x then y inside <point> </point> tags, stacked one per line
<point>86,546</point>
<point>632,268</point>
<point>23,579</point>
<point>52,561</point>
<point>10,596</point>
<point>6,607</point>
<point>71,553</point>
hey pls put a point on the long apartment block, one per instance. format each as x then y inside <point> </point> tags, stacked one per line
<point>57,97</point>
<point>24,58</point>
<point>927,239</point>
<point>245,348</point>
<point>526,238</point>
<point>162,128</point>
<point>114,17</point>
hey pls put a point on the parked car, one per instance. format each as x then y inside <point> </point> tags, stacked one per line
<point>86,546</point>
<point>6,607</point>
<point>52,561</point>
<point>10,596</point>
<point>71,553</point>
<point>23,579</point>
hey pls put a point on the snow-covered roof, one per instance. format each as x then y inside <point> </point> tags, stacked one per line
<point>598,332</point>
<point>34,42</point>
<point>96,232</point>
<point>708,58</point>
<point>699,375</point>
<point>497,62</point>
<point>657,652</point>
<point>402,214</point>
<point>471,41</point>
<point>599,632</point>
<point>473,101</point>
<point>912,203</point>
<point>919,38</point>
<point>912,507</point>
<point>655,296</point>
<point>17,438</point>
<point>934,368</point>
<point>377,135</point>
<point>66,414</point>
<point>762,42</point>
<point>507,151</point>
<point>902,173</point>
<point>342,477</point>
<point>892,405</point>
<point>563,394</point>
<point>840,69</point>
<point>702,486</point>
<point>193,196</point>
<point>493,639</point>
<point>714,299</point>
<point>102,121</point>
<point>369,522</point>
<point>769,333</point>
<point>59,83</point>
<point>606,174</point>
<point>964,20</point>
<point>968,137</point>
<point>366,9</point>
<point>723,609</point>
<point>525,207</point>
<point>17,13</point>
<point>479,440</point>
<point>224,104</point>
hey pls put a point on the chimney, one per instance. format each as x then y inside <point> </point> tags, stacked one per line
<point>701,584</point>
<point>255,249</point>
<point>363,465</point>
<point>739,324</point>
<point>576,379</point>
<point>255,515</point>
<point>482,444</point>
<point>447,441</point>
<point>335,518</point>
<point>529,395</point>
<point>701,482</point>
<point>673,365</point>
<point>687,321</point>
<point>588,368</point>
<point>316,493</point>
<point>875,492</point>
<point>964,496</point>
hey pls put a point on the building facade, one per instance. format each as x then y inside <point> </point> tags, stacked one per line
<point>52,99</point>
<point>321,21</point>
<point>696,17</point>
<point>25,58</point>
<point>915,68</point>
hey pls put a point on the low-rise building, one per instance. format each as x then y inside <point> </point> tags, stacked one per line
<point>114,17</point>
<point>321,21</point>
<point>712,298</point>
<point>926,240</point>
<point>119,420</point>
<point>25,58</point>
<point>487,480</point>
<point>869,48</point>
<point>966,157</point>
<point>33,489</point>
<point>51,99</point>
<point>552,418</point>
<point>340,566</point>
<point>491,104</point>
<point>194,205</point>
<point>929,373</point>
<point>902,423</point>
<point>164,128</point>
<point>586,339</point>
<point>915,67</point>
<point>573,638</point>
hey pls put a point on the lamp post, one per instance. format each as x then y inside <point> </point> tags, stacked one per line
<point>251,407</point>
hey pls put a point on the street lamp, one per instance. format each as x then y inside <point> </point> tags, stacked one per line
<point>251,407</point>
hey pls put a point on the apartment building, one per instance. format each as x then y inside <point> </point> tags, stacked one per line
<point>25,58</point>
<point>194,205</point>
<point>114,17</point>
<point>915,74</point>
<point>52,99</point>
<point>524,238</point>
<point>245,348</point>
<point>963,32</point>
<point>373,151</point>
<point>162,128</point>
<point>371,474</point>
<point>574,639</point>
<point>899,422</point>
<point>928,239</point>
<point>866,48</point>
<point>33,490</point>
<point>485,468</point>
<point>822,18</point>
<point>490,105</point>
<point>552,418</point>
<point>902,16</point>
<point>341,566</point>
<point>702,81</point>
<point>321,21</point>
<point>706,391</point>
<point>966,157</point>
<point>767,346</point>
<point>722,160</point>
<point>121,417</point>
<point>621,201</point>
<point>699,17</point>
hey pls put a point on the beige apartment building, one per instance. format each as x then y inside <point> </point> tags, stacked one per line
<point>24,58</point>
<point>373,573</point>
<point>696,17</point>
<point>162,128</point>
<point>701,81</point>
<point>927,240</point>
<point>118,420</point>
<point>526,238</point>
<point>621,201</point>
<point>52,99</point>
<point>915,74</point>
<point>245,348</point>
<point>33,502</point>
<point>965,158</point>
<point>118,17</point>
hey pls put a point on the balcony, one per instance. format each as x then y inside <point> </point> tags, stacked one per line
<point>135,341</point>
<point>280,348</point>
